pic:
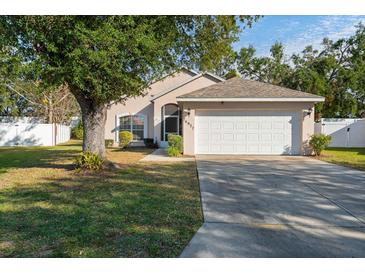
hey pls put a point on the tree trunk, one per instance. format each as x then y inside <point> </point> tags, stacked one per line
<point>50,111</point>
<point>93,119</point>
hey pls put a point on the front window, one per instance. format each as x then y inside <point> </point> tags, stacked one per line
<point>134,124</point>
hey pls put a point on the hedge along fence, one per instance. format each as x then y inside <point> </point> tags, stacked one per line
<point>32,133</point>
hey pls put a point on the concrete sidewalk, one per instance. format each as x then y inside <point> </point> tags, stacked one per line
<point>160,155</point>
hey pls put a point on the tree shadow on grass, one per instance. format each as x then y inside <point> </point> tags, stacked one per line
<point>26,157</point>
<point>134,212</point>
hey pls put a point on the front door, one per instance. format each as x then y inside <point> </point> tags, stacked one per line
<point>170,122</point>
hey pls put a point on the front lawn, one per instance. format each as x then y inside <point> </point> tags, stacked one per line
<point>49,210</point>
<point>351,157</point>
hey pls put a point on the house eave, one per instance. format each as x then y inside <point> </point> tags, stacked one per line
<point>191,99</point>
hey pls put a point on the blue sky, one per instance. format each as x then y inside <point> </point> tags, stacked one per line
<point>296,32</point>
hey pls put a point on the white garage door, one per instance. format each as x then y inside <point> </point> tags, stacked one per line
<point>251,132</point>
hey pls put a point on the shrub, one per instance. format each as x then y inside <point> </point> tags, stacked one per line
<point>125,137</point>
<point>173,152</point>
<point>109,142</point>
<point>78,131</point>
<point>150,143</point>
<point>319,142</point>
<point>88,160</point>
<point>175,144</point>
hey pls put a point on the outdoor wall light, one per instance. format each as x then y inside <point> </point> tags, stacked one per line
<point>308,111</point>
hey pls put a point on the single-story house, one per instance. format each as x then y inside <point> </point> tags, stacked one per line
<point>217,116</point>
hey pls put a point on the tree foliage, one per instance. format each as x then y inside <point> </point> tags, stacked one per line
<point>110,58</point>
<point>106,59</point>
<point>336,72</point>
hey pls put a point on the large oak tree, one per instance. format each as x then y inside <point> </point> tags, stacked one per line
<point>106,59</point>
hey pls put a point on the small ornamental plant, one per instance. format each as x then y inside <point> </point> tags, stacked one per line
<point>175,147</point>
<point>319,142</point>
<point>125,138</point>
<point>89,161</point>
<point>173,152</point>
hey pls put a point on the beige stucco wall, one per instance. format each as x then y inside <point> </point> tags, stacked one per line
<point>142,104</point>
<point>170,98</point>
<point>306,129</point>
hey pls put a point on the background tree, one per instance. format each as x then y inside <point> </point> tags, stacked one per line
<point>27,99</point>
<point>231,74</point>
<point>106,59</point>
<point>335,72</point>
<point>273,69</point>
<point>356,70</point>
<point>24,97</point>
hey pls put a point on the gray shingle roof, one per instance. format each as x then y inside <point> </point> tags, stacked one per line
<point>241,88</point>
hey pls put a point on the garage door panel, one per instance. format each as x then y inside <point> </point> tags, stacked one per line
<point>241,149</point>
<point>216,136</point>
<point>266,148</point>
<point>240,125</point>
<point>204,148</point>
<point>252,137</point>
<point>266,126</point>
<point>252,125</point>
<point>278,149</point>
<point>204,125</point>
<point>251,132</point>
<point>228,148</point>
<point>228,125</point>
<point>215,125</point>
<point>215,148</point>
<point>266,137</point>
<point>252,148</point>
<point>240,137</point>
<point>278,125</point>
<point>278,137</point>
<point>228,136</point>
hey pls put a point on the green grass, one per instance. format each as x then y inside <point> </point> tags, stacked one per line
<point>27,157</point>
<point>350,157</point>
<point>49,210</point>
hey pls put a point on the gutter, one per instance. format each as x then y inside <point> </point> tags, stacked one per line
<point>230,99</point>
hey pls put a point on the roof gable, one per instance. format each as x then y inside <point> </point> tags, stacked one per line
<point>193,78</point>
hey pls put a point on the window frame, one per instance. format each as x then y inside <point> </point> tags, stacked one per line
<point>118,125</point>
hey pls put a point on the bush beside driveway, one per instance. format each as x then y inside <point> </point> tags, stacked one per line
<point>49,210</point>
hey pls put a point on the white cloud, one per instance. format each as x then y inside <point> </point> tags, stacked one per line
<point>295,35</point>
<point>332,27</point>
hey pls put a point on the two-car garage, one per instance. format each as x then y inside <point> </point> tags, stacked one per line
<point>247,132</point>
<point>240,116</point>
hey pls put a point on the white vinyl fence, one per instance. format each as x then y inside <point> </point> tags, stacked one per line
<point>25,132</point>
<point>344,132</point>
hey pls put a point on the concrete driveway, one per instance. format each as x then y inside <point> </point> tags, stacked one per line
<point>279,207</point>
